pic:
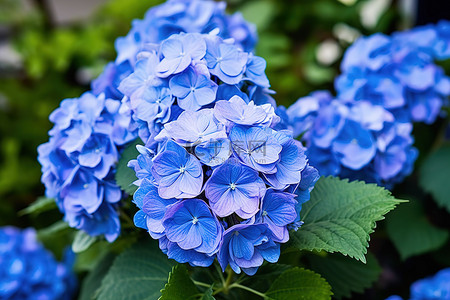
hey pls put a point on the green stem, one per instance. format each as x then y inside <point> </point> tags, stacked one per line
<point>236,285</point>
<point>222,279</point>
<point>201,283</point>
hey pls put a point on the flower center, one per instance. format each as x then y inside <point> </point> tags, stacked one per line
<point>354,142</point>
<point>97,150</point>
<point>192,89</point>
<point>265,213</point>
<point>85,186</point>
<point>194,220</point>
<point>236,233</point>
<point>219,59</point>
<point>233,186</point>
<point>182,170</point>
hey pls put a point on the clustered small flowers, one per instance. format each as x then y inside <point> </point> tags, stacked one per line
<point>186,72</point>
<point>29,271</point>
<point>78,162</point>
<point>221,183</point>
<point>356,140</point>
<point>398,72</point>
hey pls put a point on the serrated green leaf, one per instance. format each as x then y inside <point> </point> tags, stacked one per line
<point>266,274</point>
<point>91,284</point>
<point>412,233</point>
<point>41,205</point>
<point>298,284</point>
<point>139,273</point>
<point>82,241</point>
<point>179,286</point>
<point>434,176</point>
<point>346,275</point>
<point>124,175</point>
<point>341,215</point>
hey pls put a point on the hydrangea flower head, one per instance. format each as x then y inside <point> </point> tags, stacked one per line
<point>222,185</point>
<point>355,140</point>
<point>29,271</point>
<point>398,73</point>
<point>160,70</point>
<point>78,163</point>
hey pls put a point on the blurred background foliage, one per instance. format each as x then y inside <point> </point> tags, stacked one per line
<point>44,59</point>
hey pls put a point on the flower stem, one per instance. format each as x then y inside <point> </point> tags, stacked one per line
<point>236,285</point>
<point>201,283</point>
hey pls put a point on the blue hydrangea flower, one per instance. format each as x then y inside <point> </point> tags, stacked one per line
<point>235,188</point>
<point>197,70</point>
<point>134,97</point>
<point>222,183</point>
<point>398,73</point>
<point>277,211</point>
<point>78,163</point>
<point>178,173</point>
<point>431,288</point>
<point>29,271</point>
<point>355,140</point>
<point>246,246</point>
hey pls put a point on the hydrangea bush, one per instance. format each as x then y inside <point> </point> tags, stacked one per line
<point>185,113</point>
<point>29,271</point>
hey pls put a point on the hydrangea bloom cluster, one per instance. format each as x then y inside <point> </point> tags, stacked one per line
<point>78,163</point>
<point>399,73</point>
<point>436,287</point>
<point>187,72</point>
<point>355,140</point>
<point>162,21</point>
<point>29,271</point>
<point>220,183</point>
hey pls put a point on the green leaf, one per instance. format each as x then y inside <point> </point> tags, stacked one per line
<point>208,295</point>
<point>344,274</point>
<point>82,241</point>
<point>412,233</point>
<point>41,205</point>
<point>138,273</point>
<point>266,274</point>
<point>125,176</point>
<point>341,215</point>
<point>298,284</point>
<point>179,285</point>
<point>434,176</point>
<point>91,284</point>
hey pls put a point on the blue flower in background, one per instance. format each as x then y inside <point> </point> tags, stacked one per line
<point>246,246</point>
<point>399,72</point>
<point>29,271</point>
<point>248,182</point>
<point>436,287</point>
<point>355,140</point>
